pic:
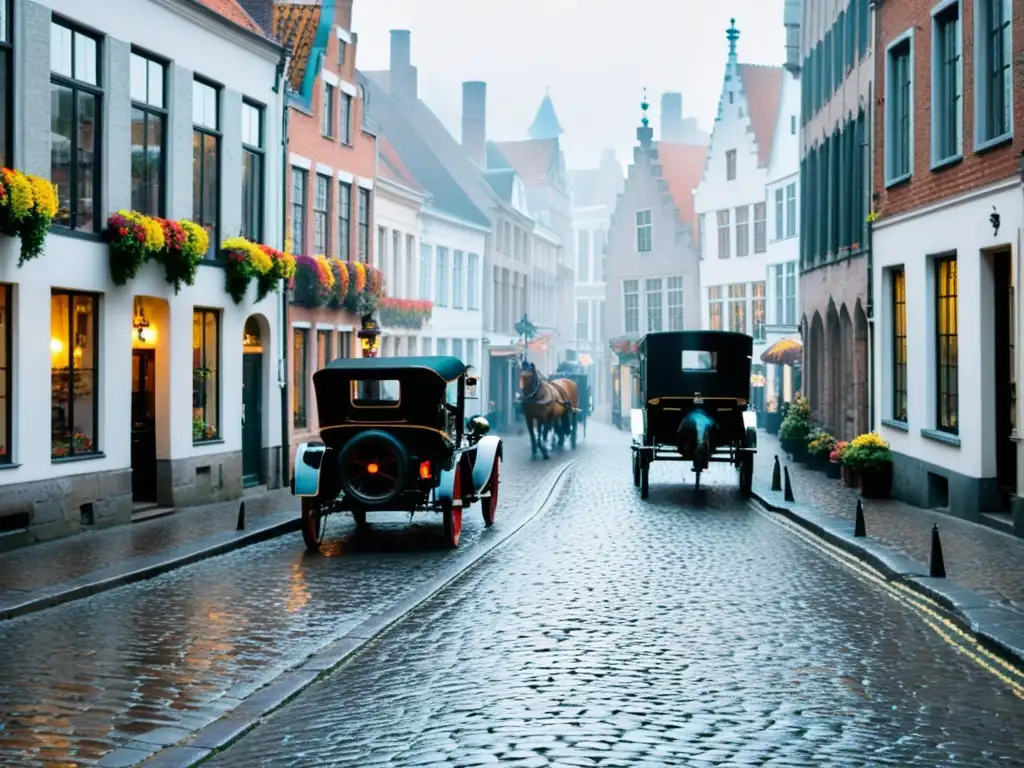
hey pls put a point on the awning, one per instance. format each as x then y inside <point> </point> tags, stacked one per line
<point>786,351</point>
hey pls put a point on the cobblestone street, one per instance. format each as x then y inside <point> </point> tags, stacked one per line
<point>674,632</point>
<point>144,665</point>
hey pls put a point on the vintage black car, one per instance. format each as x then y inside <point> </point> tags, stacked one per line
<point>395,438</point>
<point>694,394</point>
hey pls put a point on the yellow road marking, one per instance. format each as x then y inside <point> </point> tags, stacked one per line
<point>928,609</point>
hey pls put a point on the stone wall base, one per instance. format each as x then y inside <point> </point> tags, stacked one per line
<point>930,486</point>
<point>49,509</point>
<point>199,480</point>
<point>272,467</point>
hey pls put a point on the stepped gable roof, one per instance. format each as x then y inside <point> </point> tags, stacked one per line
<point>545,124</point>
<point>682,166</point>
<point>532,159</point>
<point>295,26</point>
<point>393,169</point>
<point>233,11</point>
<point>763,88</point>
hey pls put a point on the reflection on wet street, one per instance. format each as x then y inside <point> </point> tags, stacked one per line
<point>681,631</point>
<point>145,665</point>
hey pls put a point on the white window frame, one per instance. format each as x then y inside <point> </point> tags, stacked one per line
<point>648,226</point>
<point>938,161</point>
<point>791,221</point>
<point>426,271</point>
<point>668,306</point>
<point>779,198</point>
<point>639,305</point>
<point>890,179</point>
<point>980,54</point>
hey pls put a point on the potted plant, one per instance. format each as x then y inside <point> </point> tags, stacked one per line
<point>834,468</point>
<point>282,269</point>
<point>819,448</point>
<point>870,457</point>
<point>314,281</point>
<point>795,429</point>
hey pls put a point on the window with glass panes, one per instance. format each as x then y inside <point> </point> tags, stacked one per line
<point>364,224</point>
<point>253,160</point>
<point>324,353</point>
<point>75,120</point>
<point>344,220</point>
<point>993,93</point>
<point>898,110</point>
<point>947,91</point>
<point>205,375</point>
<point>582,320</point>
<point>631,305</point>
<point>345,118</point>
<point>654,301</point>
<point>715,308</point>
<point>757,309</point>
<point>760,228</point>
<point>780,209</point>
<point>899,345</point>
<point>947,342</point>
<point>6,375</point>
<point>443,278</point>
<point>738,307</point>
<point>644,233</point>
<point>300,375</point>
<point>458,279</point>
<point>675,304</point>
<point>148,132</point>
<point>472,290</point>
<point>206,154</point>
<point>742,231</point>
<point>300,183</point>
<point>791,293</point>
<point>425,266</point>
<point>6,87</point>
<point>322,216</point>
<point>791,209</point>
<point>327,111</point>
<point>74,374</point>
<point>723,234</point>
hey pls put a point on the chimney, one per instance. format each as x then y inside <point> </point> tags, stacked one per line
<point>474,122</point>
<point>403,73</point>
<point>671,117</point>
<point>792,17</point>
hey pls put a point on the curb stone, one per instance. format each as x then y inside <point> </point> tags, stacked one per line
<point>998,629</point>
<point>141,569</point>
<point>221,733</point>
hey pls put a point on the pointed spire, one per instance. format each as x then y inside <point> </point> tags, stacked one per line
<point>644,106</point>
<point>644,134</point>
<point>732,34</point>
<point>545,124</point>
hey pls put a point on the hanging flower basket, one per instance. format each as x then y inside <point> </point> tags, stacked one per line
<point>404,313</point>
<point>28,205</point>
<point>246,261</point>
<point>134,239</point>
<point>185,245</point>
<point>339,293</point>
<point>282,269</point>
<point>314,281</point>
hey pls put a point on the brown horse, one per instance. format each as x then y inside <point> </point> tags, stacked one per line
<point>547,404</point>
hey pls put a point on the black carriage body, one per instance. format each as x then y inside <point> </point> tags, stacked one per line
<point>423,425</point>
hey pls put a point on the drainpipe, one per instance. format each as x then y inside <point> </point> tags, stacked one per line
<point>283,376</point>
<point>868,136</point>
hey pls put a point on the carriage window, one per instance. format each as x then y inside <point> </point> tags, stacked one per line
<point>697,360</point>
<point>373,393</point>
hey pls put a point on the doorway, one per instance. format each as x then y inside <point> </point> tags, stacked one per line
<point>1006,396</point>
<point>252,404</point>
<point>144,425</point>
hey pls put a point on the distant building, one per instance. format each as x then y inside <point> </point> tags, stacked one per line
<point>731,203</point>
<point>652,264</point>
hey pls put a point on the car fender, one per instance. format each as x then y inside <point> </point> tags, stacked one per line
<point>489,447</point>
<point>309,460</point>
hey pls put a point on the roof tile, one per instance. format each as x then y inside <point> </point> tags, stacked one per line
<point>531,158</point>
<point>682,166</point>
<point>295,26</point>
<point>393,169</point>
<point>763,88</point>
<point>232,11</point>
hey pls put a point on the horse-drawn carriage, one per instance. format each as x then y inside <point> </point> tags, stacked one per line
<point>395,438</point>
<point>550,407</point>
<point>695,391</point>
<point>576,374</point>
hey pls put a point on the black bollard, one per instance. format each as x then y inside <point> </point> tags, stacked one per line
<point>937,566</point>
<point>776,475</point>
<point>241,517</point>
<point>858,524</point>
<point>789,488</point>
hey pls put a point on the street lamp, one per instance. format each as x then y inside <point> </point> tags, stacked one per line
<point>526,329</point>
<point>369,336</point>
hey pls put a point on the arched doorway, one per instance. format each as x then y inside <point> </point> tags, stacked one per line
<point>816,385</point>
<point>833,376</point>
<point>860,335</point>
<point>252,403</point>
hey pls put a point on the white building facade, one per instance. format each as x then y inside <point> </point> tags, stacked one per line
<point>782,317</point>
<point>590,228</point>
<point>450,274</point>
<point>544,304</point>
<point>122,375</point>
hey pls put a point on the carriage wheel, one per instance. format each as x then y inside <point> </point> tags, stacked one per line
<point>746,475</point>
<point>696,481</point>
<point>359,516</point>
<point>572,434</point>
<point>452,515</point>
<point>645,471</point>
<point>490,504</point>
<point>314,523</point>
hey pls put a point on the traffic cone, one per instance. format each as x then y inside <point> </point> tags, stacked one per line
<point>241,517</point>
<point>937,566</point>
<point>858,524</point>
<point>789,488</point>
<point>776,475</point>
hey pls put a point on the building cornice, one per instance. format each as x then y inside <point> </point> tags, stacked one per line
<point>401,191</point>
<point>949,202</point>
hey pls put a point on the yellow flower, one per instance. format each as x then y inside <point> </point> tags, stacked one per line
<point>19,193</point>
<point>44,195</point>
<point>326,273</point>
<point>286,265</point>
<point>259,259</point>
<point>198,240</point>
<point>869,440</point>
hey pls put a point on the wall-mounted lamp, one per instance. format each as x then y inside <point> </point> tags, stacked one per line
<point>141,324</point>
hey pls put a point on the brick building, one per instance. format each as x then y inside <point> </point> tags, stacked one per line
<point>329,191</point>
<point>947,215</point>
<point>837,73</point>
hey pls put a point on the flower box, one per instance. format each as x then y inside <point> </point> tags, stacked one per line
<point>248,261</point>
<point>404,313</point>
<point>849,477</point>
<point>833,470</point>
<point>28,205</point>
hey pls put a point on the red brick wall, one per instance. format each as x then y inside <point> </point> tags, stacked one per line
<point>976,170</point>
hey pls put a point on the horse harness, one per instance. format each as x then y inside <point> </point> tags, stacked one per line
<point>538,386</point>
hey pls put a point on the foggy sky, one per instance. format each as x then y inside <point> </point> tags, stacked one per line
<point>595,55</point>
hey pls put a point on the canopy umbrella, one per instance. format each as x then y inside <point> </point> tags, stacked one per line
<point>783,352</point>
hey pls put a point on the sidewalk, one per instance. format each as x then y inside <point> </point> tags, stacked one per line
<point>42,575</point>
<point>984,582</point>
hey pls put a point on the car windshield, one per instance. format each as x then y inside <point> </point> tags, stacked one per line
<point>369,393</point>
<point>699,360</point>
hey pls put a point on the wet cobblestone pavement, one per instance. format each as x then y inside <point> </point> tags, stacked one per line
<point>982,559</point>
<point>153,661</point>
<point>680,631</point>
